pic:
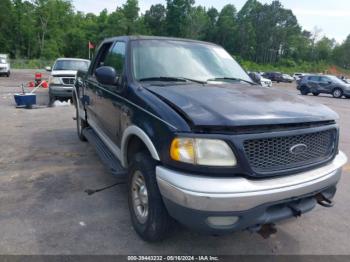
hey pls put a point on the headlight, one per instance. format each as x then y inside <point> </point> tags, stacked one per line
<point>206,152</point>
<point>55,80</point>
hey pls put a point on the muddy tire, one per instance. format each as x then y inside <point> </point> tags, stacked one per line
<point>149,216</point>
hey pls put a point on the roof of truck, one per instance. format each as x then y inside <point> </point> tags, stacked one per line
<point>67,58</point>
<point>143,37</point>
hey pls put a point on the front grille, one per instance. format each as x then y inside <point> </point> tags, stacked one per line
<point>68,81</point>
<point>272,154</point>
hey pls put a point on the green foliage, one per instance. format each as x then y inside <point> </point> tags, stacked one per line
<point>263,36</point>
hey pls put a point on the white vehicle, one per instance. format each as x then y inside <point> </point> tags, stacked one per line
<point>298,76</point>
<point>63,77</point>
<point>265,82</point>
<point>5,68</point>
<point>259,79</point>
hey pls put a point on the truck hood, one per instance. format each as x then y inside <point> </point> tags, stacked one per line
<point>71,73</point>
<point>239,105</point>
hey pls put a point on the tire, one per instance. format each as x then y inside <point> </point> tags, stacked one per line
<point>304,90</point>
<point>315,94</point>
<point>8,74</point>
<point>52,100</point>
<point>347,96</point>
<point>81,124</point>
<point>149,216</point>
<point>337,93</point>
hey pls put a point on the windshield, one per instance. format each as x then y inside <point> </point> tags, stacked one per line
<point>171,58</point>
<point>336,79</point>
<point>3,61</point>
<point>71,65</point>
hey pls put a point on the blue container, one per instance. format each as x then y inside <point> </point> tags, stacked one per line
<point>25,100</point>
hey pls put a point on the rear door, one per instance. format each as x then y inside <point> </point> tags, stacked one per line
<point>92,91</point>
<point>325,85</point>
<point>112,96</point>
<point>312,83</point>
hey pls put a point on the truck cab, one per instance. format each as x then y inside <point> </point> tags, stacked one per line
<point>198,142</point>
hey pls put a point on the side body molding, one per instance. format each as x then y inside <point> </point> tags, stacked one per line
<point>136,131</point>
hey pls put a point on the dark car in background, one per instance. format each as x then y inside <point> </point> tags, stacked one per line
<point>324,84</point>
<point>278,77</point>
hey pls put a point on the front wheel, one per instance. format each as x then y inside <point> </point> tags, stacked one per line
<point>149,216</point>
<point>337,93</point>
<point>315,94</point>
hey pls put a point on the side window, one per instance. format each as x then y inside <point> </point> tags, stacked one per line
<point>324,80</point>
<point>313,78</point>
<point>101,56</point>
<point>115,58</point>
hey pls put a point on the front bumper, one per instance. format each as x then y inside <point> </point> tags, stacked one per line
<point>62,91</point>
<point>4,70</point>
<point>207,196</point>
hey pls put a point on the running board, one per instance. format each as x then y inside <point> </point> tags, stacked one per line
<point>104,153</point>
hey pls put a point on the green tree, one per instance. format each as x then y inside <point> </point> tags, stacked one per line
<point>155,20</point>
<point>226,33</point>
<point>178,16</point>
<point>6,18</point>
<point>131,12</point>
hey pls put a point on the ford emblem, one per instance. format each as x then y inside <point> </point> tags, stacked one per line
<point>298,149</point>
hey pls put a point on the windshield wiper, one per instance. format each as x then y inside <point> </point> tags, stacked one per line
<point>172,79</point>
<point>231,78</point>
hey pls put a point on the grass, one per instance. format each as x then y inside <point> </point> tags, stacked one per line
<point>30,63</point>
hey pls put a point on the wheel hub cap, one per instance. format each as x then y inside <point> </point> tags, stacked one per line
<point>139,197</point>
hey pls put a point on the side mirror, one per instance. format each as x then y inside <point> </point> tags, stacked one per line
<point>48,69</point>
<point>106,75</point>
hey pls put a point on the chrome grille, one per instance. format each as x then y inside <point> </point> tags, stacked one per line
<point>276,153</point>
<point>68,81</point>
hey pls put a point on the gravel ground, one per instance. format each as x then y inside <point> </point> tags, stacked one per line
<point>44,170</point>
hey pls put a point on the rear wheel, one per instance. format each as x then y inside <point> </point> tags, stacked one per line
<point>304,90</point>
<point>149,216</point>
<point>337,93</point>
<point>315,94</point>
<point>52,100</point>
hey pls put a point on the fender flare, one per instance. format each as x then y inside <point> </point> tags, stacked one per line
<point>138,132</point>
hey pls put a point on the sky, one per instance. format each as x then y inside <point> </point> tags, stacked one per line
<point>332,17</point>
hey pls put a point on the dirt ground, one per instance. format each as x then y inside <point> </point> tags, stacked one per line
<point>44,170</point>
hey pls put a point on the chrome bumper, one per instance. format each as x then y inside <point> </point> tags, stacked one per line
<point>239,194</point>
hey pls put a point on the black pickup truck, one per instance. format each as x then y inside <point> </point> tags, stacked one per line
<point>197,141</point>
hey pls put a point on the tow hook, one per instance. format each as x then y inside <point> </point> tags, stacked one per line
<point>324,201</point>
<point>296,211</point>
<point>267,230</point>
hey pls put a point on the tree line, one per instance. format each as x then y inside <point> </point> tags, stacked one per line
<point>259,33</point>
